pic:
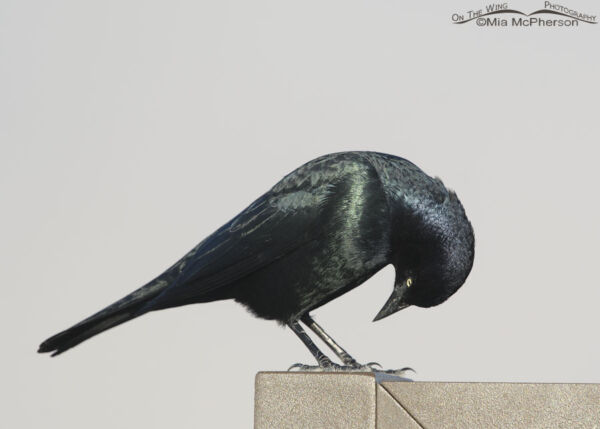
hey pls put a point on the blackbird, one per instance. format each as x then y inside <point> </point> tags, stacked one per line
<point>322,230</point>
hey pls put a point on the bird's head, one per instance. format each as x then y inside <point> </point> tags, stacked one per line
<point>433,254</point>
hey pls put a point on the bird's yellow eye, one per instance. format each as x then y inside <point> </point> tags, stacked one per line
<point>409,282</point>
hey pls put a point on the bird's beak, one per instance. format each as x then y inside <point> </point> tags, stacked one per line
<point>394,303</point>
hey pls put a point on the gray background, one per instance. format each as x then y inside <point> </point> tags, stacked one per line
<point>132,130</point>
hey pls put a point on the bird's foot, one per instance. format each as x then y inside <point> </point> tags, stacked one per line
<point>325,364</point>
<point>376,367</point>
<point>315,368</point>
<point>355,367</point>
<point>333,367</point>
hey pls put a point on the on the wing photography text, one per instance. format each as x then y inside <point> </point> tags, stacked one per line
<point>502,15</point>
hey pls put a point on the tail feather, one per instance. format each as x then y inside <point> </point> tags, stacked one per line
<point>69,338</point>
<point>130,307</point>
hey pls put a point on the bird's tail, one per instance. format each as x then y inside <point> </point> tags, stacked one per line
<point>127,308</point>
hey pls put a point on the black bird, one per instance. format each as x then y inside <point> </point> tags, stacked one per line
<point>321,231</point>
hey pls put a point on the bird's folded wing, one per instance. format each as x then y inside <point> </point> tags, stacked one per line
<point>272,227</point>
<point>291,215</point>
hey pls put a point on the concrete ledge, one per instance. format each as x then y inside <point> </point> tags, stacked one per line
<point>363,400</point>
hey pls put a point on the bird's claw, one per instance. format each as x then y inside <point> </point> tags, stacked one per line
<point>372,364</point>
<point>300,367</point>
<point>399,372</point>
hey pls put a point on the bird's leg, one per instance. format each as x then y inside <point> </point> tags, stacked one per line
<point>335,347</point>
<point>349,361</point>
<point>324,361</point>
<point>325,364</point>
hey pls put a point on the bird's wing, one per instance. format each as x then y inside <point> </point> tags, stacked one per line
<point>284,219</point>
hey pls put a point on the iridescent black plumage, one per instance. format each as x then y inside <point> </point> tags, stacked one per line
<point>322,230</point>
